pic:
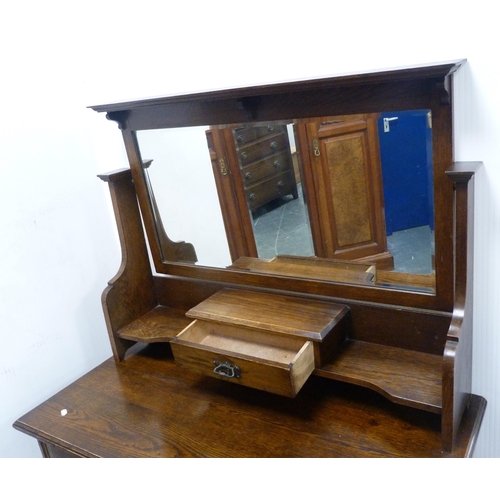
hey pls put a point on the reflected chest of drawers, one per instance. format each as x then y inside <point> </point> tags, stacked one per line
<point>266,164</point>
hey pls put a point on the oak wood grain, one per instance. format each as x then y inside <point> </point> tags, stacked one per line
<point>278,313</point>
<point>311,268</point>
<point>407,377</point>
<point>146,406</point>
<point>275,363</point>
<point>161,324</point>
<point>397,337</point>
<point>130,293</point>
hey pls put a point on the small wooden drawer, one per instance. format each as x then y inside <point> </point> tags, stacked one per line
<point>273,363</point>
<point>267,167</point>
<point>267,341</point>
<point>276,187</point>
<point>267,146</point>
<point>248,134</point>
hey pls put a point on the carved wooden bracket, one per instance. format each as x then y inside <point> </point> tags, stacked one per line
<point>249,105</point>
<point>119,117</point>
<point>443,88</point>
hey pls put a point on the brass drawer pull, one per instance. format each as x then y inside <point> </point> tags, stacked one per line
<point>226,369</point>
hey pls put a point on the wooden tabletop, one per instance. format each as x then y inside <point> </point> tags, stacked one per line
<point>146,406</point>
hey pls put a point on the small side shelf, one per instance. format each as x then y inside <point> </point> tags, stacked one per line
<point>405,377</point>
<point>161,324</point>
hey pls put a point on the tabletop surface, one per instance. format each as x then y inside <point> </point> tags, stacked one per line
<point>146,406</point>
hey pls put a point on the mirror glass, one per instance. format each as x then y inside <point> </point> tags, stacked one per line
<point>182,181</point>
<point>345,196</point>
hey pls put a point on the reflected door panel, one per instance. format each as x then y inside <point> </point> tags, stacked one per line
<point>406,151</point>
<point>344,188</point>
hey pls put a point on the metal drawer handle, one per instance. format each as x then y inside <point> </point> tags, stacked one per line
<point>226,369</point>
<point>273,145</point>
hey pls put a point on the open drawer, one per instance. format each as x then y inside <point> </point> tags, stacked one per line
<point>267,341</point>
<point>274,363</point>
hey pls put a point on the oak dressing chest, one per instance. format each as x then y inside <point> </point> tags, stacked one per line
<point>291,330</point>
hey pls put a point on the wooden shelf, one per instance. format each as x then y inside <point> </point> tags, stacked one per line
<point>405,377</point>
<point>381,368</point>
<point>310,267</point>
<point>161,324</point>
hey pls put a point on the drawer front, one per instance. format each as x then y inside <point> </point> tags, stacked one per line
<point>249,134</point>
<point>270,189</point>
<point>232,354</point>
<point>267,146</point>
<point>266,168</point>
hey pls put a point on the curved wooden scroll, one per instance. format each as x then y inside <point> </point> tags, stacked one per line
<point>130,293</point>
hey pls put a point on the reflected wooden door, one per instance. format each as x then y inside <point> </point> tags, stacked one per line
<point>342,179</point>
<point>232,199</point>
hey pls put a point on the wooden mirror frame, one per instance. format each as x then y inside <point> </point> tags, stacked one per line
<point>422,87</point>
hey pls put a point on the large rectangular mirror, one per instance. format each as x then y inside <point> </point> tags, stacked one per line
<point>367,157</point>
<point>339,198</point>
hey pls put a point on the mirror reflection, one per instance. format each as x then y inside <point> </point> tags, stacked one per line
<point>344,198</point>
<point>270,171</point>
<point>182,182</point>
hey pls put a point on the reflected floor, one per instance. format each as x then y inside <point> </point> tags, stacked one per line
<point>282,228</point>
<point>412,250</point>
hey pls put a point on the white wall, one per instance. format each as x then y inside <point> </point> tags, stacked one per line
<point>58,243</point>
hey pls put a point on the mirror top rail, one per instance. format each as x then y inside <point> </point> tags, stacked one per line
<point>390,90</point>
<point>392,75</point>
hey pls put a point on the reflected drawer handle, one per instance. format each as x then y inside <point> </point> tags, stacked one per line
<point>270,128</point>
<point>281,184</point>
<point>274,145</point>
<point>244,155</point>
<point>276,164</point>
<point>239,139</point>
<point>248,175</point>
<point>226,369</point>
<point>252,197</point>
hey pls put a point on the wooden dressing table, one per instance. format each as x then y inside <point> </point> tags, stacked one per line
<point>146,407</point>
<point>336,354</point>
